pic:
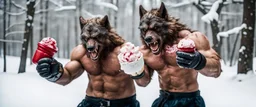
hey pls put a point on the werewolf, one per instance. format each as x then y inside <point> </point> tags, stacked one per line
<point>177,70</point>
<point>97,55</point>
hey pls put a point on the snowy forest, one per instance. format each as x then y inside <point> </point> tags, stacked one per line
<point>228,24</point>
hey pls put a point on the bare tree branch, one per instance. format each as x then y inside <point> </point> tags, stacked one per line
<point>183,3</point>
<point>16,14</point>
<point>14,32</point>
<point>19,6</point>
<point>57,4</point>
<point>200,8</point>
<point>14,25</point>
<point>38,1</point>
<point>11,41</point>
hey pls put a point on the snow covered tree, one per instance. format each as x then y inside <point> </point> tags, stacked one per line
<point>245,62</point>
<point>27,35</point>
<point>211,17</point>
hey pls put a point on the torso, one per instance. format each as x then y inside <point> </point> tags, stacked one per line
<point>105,78</point>
<point>172,78</point>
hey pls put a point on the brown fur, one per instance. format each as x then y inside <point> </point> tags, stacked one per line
<point>165,26</point>
<point>104,34</point>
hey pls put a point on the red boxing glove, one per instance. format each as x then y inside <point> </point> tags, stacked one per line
<point>186,45</point>
<point>45,49</point>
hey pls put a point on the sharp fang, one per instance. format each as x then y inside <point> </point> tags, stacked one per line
<point>155,42</point>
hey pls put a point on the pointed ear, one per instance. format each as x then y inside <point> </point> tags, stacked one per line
<point>82,22</point>
<point>142,11</point>
<point>163,12</point>
<point>105,22</point>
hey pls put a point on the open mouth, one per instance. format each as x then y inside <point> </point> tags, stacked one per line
<point>154,46</point>
<point>94,55</point>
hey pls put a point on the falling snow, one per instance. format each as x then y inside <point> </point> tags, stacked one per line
<point>28,24</point>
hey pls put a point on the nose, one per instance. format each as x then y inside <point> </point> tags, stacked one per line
<point>148,39</point>
<point>90,48</point>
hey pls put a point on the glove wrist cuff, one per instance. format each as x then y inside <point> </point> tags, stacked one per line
<point>139,74</point>
<point>201,63</point>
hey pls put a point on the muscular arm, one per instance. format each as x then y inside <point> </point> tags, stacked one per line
<point>213,66</point>
<point>148,72</point>
<point>73,68</point>
<point>145,80</point>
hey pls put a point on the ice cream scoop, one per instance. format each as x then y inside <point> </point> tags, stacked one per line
<point>186,45</point>
<point>46,48</point>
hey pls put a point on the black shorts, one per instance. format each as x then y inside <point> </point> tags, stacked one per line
<point>99,102</point>
<point>179,99</point>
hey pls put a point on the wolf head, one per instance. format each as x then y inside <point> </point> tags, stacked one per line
<point>158,29</point>
<point>98,37</point>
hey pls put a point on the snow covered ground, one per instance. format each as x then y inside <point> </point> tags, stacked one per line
<point>30,90</point>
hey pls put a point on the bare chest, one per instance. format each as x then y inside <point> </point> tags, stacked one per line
<point>110,66</point>
<point>160,62</point>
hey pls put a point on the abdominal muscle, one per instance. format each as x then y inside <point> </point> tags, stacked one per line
<point>174,79</point>
<point>110,86</point>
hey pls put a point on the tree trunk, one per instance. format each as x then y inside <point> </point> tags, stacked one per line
<point>4,44</point>
<point>57,40</point>
<point>116,15</point>
<point>41,21</point>
<point>133,20</point>
<point>246,48</point>
<point>68,38</point>
<point>27,34</point>
<point>46,19</point>
<point>233,51</point>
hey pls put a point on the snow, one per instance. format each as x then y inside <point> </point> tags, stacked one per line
<point>30,90</point>
<point>62,8</point>
<point>206,3</point>
<point>242,49</point>
<point>250,28</point>
<point>212,14</point>
<point>19,6</point>
<point>30,17</point>
<point>28,24</point>
<point>91,15</point>
<point>183,3</point>
<point>105,4</point>
<point>235,30</point>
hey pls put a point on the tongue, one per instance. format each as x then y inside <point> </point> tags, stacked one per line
<point>94,54</point>
<point>154,47</point>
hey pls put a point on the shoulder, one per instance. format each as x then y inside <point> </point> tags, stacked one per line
<point>78,52</point>
<point>201,41</point>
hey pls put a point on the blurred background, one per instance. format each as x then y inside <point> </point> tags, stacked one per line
<point>228,24</point>
<point>60,19</point>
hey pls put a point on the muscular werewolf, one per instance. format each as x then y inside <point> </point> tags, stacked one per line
<point>177,70</point>
<point>97,55</point>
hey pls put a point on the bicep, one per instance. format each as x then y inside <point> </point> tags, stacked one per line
<point>74,68</point>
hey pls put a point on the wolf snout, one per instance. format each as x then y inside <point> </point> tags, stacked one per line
<point>148,39</point>
<point>90,48</point>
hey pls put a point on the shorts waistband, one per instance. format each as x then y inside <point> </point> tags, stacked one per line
<point>179,94</point>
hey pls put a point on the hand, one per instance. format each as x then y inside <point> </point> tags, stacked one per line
<point>194,60</point>
<point>49,69</point>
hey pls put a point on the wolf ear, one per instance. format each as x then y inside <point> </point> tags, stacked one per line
<point>142,11</point>
<point>163,12</point>
<point>82,22</point>
<point>105,22</point>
